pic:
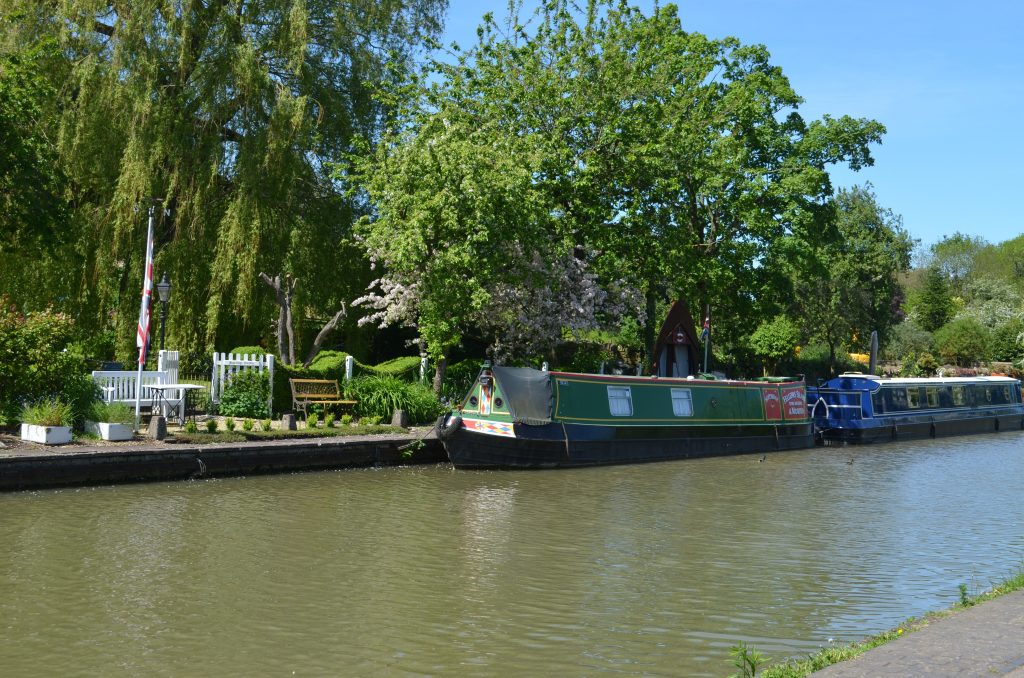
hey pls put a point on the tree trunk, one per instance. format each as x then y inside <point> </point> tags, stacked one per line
<point>283,294</point>
<point>439,369</point>
<point>324,331</point>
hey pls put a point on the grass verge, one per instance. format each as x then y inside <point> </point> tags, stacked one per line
<point>204,438</point>
<point>797,668</point>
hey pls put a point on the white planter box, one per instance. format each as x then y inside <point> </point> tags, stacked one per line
<point>108,431</point>
<point>47,435</point>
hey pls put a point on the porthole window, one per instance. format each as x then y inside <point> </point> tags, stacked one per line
<point>620,401</point>
<point>498,402</point>
<point>473,401</point>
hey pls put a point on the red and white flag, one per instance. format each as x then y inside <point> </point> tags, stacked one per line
<point>142,336</point>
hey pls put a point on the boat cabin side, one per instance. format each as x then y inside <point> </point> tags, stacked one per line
<point>850,397</point>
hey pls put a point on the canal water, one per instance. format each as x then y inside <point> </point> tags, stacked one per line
<point>652,570</point>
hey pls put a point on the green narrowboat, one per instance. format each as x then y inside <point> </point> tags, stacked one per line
<point>516,417</point>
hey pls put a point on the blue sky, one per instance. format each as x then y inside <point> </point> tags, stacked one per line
<point>944,77</point>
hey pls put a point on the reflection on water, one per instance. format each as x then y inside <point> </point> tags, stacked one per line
<point>636,570</point>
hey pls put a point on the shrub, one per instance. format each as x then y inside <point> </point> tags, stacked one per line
<point>370,421</point>
<point>1005,346</point>
<point>906,338</point>
<point>229,424</point>
<point>249,350</point>
<point>312,420</point>
<point>346,419</point>
<point>380,396</point>
<point>329,420</point>
<point>38,360</point>
<point>113,413</point>
<point>211,425</point>
<point>247,424</point>
<point>190,427</point>
<point>265,424</point>
<point>49,412</point>
<point>962,342</point>
<point>246,395</point>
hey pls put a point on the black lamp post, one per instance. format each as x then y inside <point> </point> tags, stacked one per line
<point>163,289</point>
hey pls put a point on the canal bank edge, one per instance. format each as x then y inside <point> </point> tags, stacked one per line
<point>147,463</point>
<point>922,641</point>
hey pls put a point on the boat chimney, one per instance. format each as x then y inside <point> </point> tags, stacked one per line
<point>873,362</point>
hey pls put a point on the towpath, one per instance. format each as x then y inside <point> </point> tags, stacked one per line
<point>984,640</point>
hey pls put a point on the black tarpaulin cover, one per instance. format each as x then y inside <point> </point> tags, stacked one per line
<point>528,392</point>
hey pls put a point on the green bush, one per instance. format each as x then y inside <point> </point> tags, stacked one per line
<point>246,395</point>
<point>190,427</point>
<point>329,420</point>
<point>48,412</point>
<point>906,338</point>
<point>265,424</point>
<point>380,396</point>
<point>370,421</point>
<point>962,342</point>
<point>39,360</point>
<point>229,424</point>
<point>346,419</point>
<point>247,424</point>
<point>312,420</point>
<point>211,425</point>
<point>1005,346</point>
<point>113,413</point>
<point>248,350</point>
<point>405,367</point>
<point>329,361</point>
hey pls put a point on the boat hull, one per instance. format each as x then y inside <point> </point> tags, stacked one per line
<point>889,428</point>
<point>559,445</point>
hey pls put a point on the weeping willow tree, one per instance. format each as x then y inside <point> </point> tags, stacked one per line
<point>227,112</point>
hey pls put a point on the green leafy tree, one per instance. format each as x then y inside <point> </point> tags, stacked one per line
<point>229,113</point>
<point>956,256</point>
<point>595,165</point>
<point>775,341</point>
<point>963,342</point>
<point>849,286</point>
<point>934,306</point>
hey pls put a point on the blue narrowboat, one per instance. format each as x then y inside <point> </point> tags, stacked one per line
<point>864,408</point>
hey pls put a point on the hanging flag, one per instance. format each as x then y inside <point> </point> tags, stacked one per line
<point>142,335</point>
<point>706,332</point>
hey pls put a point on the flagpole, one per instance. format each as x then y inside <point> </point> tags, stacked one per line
<point>143,327</point>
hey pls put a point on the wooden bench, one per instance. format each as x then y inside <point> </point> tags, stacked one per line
<point>306,392</point>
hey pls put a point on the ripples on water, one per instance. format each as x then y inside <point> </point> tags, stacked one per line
<point>631,570</point>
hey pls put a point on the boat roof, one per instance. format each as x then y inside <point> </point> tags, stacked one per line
<point>929,380</point>
<point>648,378</point>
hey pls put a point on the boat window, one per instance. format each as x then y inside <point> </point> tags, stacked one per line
<point>897,400</point>
<point>958,396</point>
<point>988,395</point>
<point>914,397</point>
<point>1006,394</point>
<point>932,394</point>
<point>620,401</point>
<point>876,402</point>
<point>682,402</point>
<point>945,397</point>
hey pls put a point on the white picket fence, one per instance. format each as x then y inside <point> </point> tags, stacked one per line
<point>227,365</point>
<point>119,386</point>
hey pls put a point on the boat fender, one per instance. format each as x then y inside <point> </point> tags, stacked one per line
<point>447,424</point>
